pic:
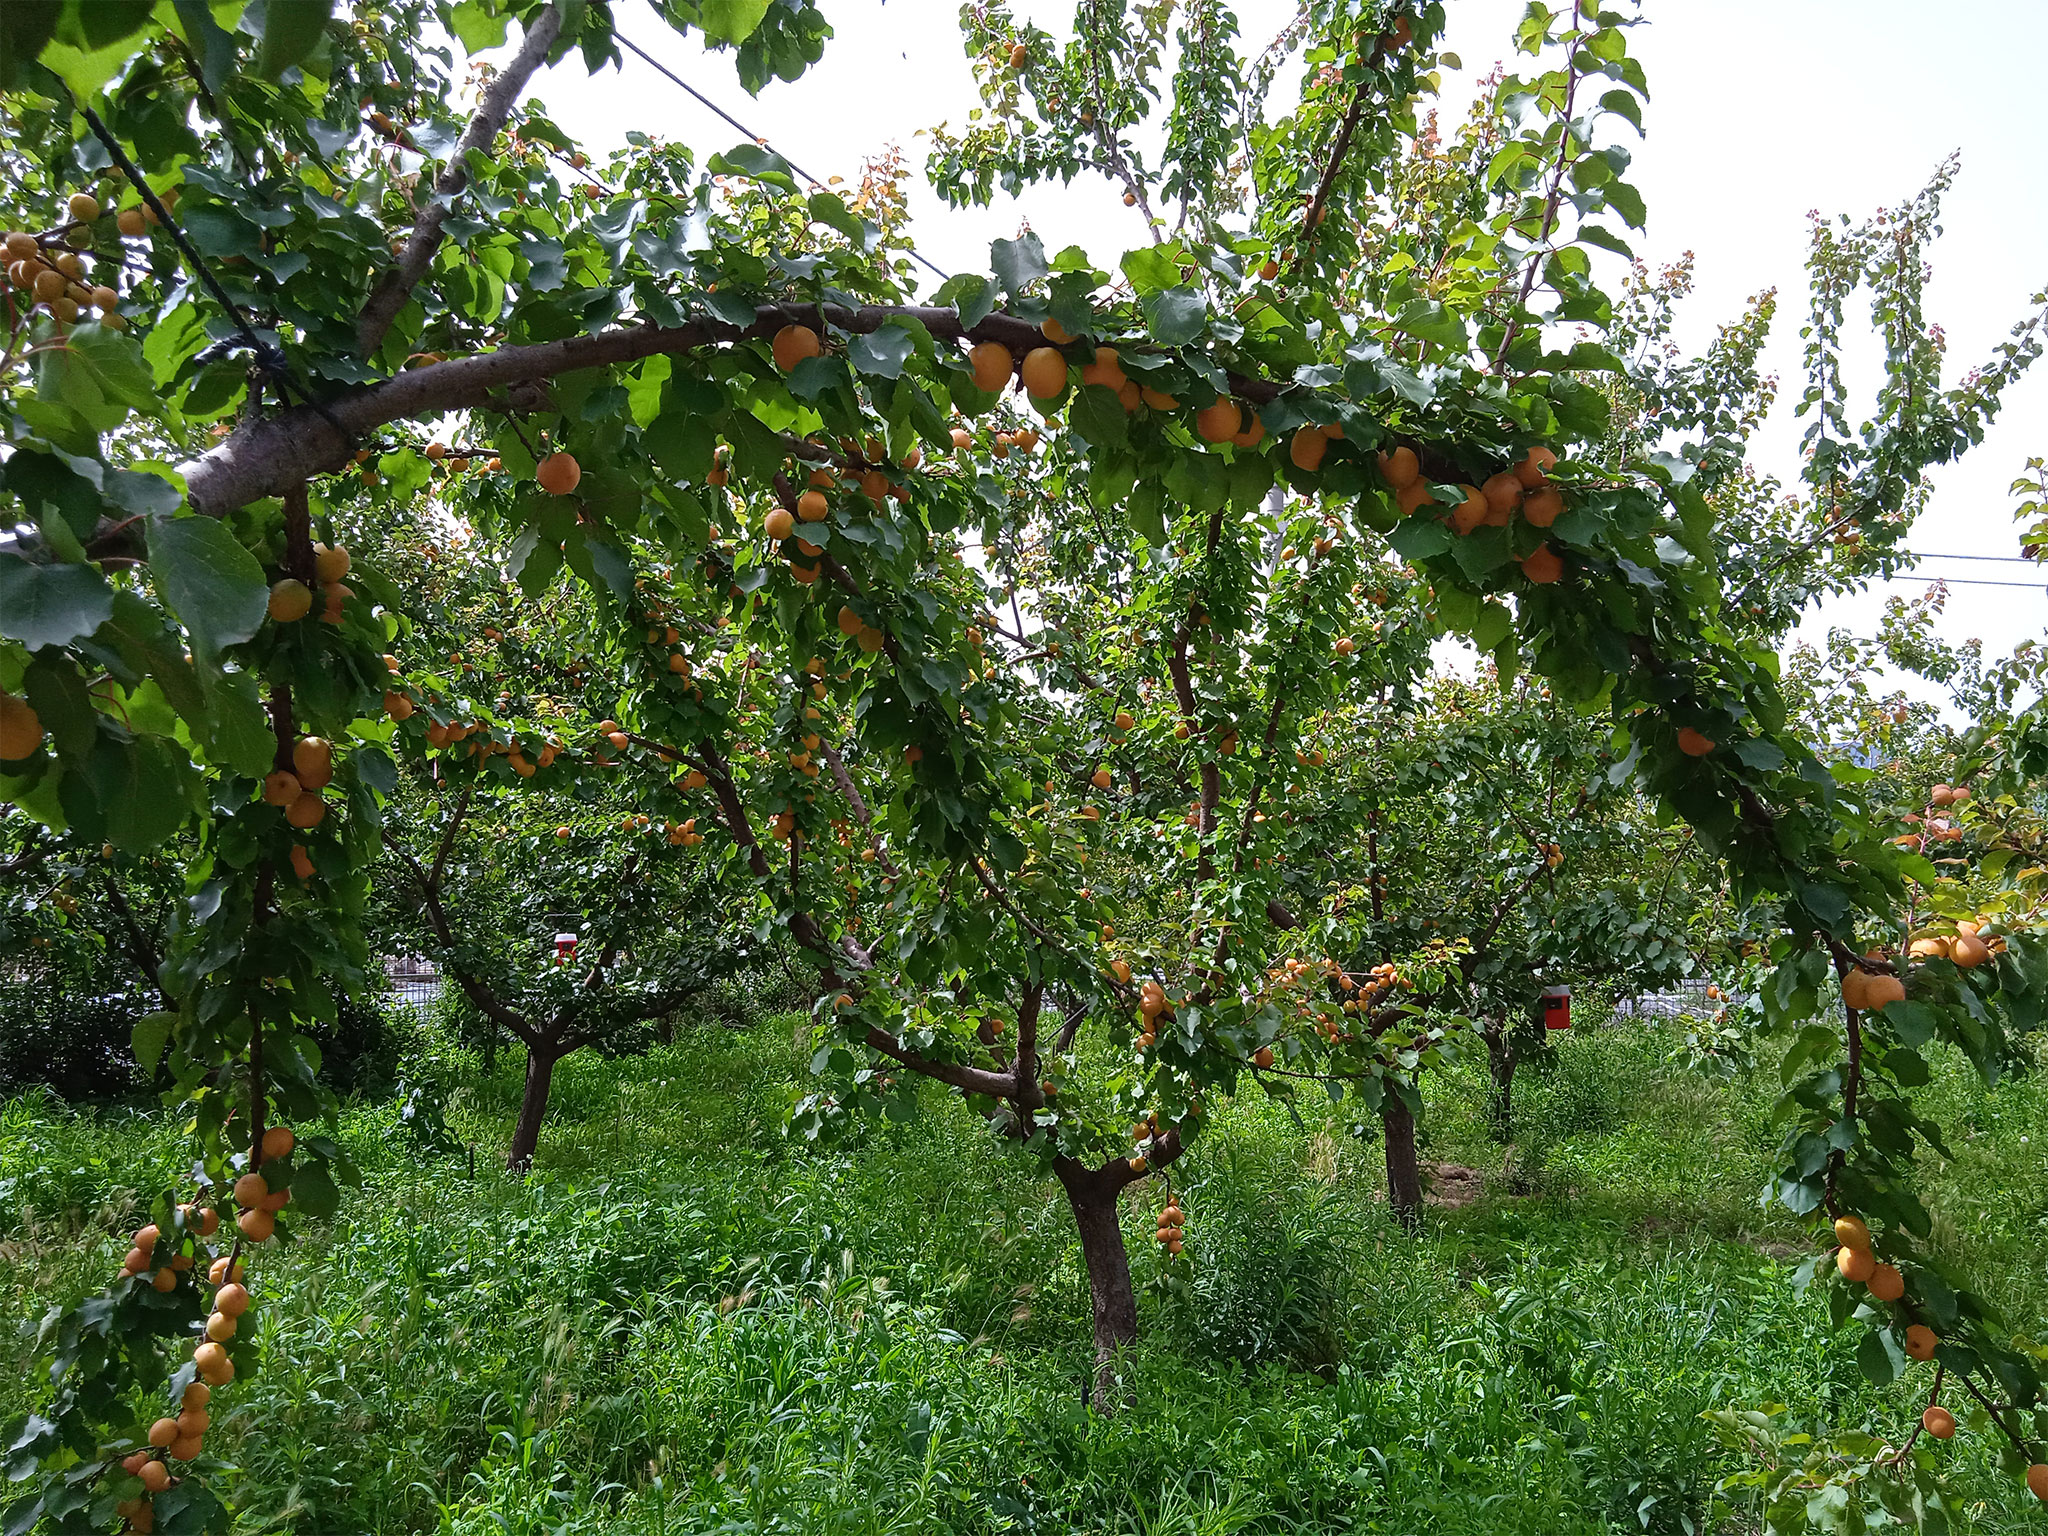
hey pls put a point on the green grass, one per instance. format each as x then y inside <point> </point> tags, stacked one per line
<point>685,1323</point>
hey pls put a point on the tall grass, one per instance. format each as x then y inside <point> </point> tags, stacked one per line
<point>684,1323</point>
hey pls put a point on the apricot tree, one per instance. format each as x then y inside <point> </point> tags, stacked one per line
<point>707,393</point>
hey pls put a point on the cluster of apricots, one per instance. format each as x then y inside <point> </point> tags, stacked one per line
<point>1857,1262</point>
<point>291,599</point>
<point>1153,1005</point>
<point>1171,1220</point>
<point>179,1436</point>
<point>296,790</point>
<point>1524,489</point>
<point>1967,947</point>
<point>50,270</point>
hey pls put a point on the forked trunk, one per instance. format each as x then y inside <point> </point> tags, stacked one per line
<point>1500,1094</point>
<point>1404,1176</point>
<point>533,1108</point>
<point>1114,1304</point>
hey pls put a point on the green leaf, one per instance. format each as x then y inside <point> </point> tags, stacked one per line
<point>1018,263</point>
<point>238,733</point>
<point>51,604</point>
<point>208,580</point>
<point>972,297</point>
<point>479,26</point>
<point>313,1190</point>
<point>681,441</point>
<point>731,21</point>
<point>1433,323</point>
<point>152,1032</point>
<point>1177,316</point>
<point>1879,1356</point>
<point>751,160</point>
<point>1417,538</point>
<point>291,31</point>
<point>1099,418</point>
<point>881,352</point>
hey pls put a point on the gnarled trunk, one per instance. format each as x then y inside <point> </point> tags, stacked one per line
<point>1114,1303</point>
<point>1501,1060</point>
<point>533,1107</point>
<point>1404,1176</point>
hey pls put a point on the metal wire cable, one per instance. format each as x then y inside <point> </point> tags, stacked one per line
<point>752,136</point>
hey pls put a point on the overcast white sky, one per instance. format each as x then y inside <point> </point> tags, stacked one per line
<point>1760,110</point>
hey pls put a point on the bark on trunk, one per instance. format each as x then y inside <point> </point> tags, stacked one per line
<point>1114,1304</point>
<point>1501,1060</point>
<point>533,1108</point>
<point>1404,1177</point>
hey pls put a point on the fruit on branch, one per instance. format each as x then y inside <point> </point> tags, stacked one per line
<point>1694,743</point>
<point>1921,1342</point>
<point>21,730</point>
<point>1866,992</point>
<point>1020,56</point>
<point>1045,372</point>
<point>792,344</point>
<point>1543,507</point>
<point>1856,1264</point>
<point>558,473</point>
<point>281,787</point>
<point>1534,470</point>
<point>302,862</point>
<point>1937,1421</point>
<point>1886,1283</point>
<point>290,600</point>
<point>1307,447</point>
<point>778,523</point>
<point>398,706</point>
<point>1469,513</point>
<point>313,762</point>
<point>307,811</point>
<point>1253,434</point>
<point>215,1368</point>
<point>1851,1232</point>
<point>329,565</point>
<point>278,1141</point>
<point>993,365</point>
<point>1968,951</point>
<point>1263,1056</point>
<point>1543,565</point>
<point>812,507</point>
<point>1220,422</point>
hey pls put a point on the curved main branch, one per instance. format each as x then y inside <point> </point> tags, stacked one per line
<point>491,112</point>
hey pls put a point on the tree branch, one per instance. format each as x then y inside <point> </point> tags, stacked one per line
<point>498,99</point>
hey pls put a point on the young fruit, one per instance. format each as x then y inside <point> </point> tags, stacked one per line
<point>290,600</point>
<point>220,1327</point>
<point>1045,372</point>
<point>558,473</point>
<point>1542,508</point>
<point>256,1226</point>
<point>1263,1056</point>
<point>1937,1421</point>
<point>792,344</point>
<point>281,788</point>
<point>1921,1343</point>
<point>215,1368</point>
<point>1307,447</point>
<point>812,507</point>
<point>163,1432</point>
<point>1850,1232</point>
<point>1220,422</point>
<point>1543,565</point>
<point>1534,470</point>
<point>1692,743</point>
<point>21,731</point>
<point>778,523</point>
<point>306,812</point>
<point>156,1477</point>
<point>279,1141</point>
<point>1886,1283</point>
<point>329,565</point>
<point>1856,1264</point>
<point>313,762</point>
<point>992,364</point>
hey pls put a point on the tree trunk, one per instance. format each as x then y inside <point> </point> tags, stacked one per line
<point>1114,1303</point>
<point>1404,1177</point>
<point>533,1108</point>
<point>1501,1060</point>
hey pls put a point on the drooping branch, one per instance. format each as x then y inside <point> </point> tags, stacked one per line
<point>479,992</point>
<point>427,233</point>
<point>264,457</point>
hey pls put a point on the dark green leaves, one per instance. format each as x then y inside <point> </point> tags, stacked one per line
<point>759,164</point>
<point>1018,263</point>
<point>51,604</point>
<point>1177,316</point>
<point>291,31</point>
<point>209,580</point>
<point>881,353</point>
